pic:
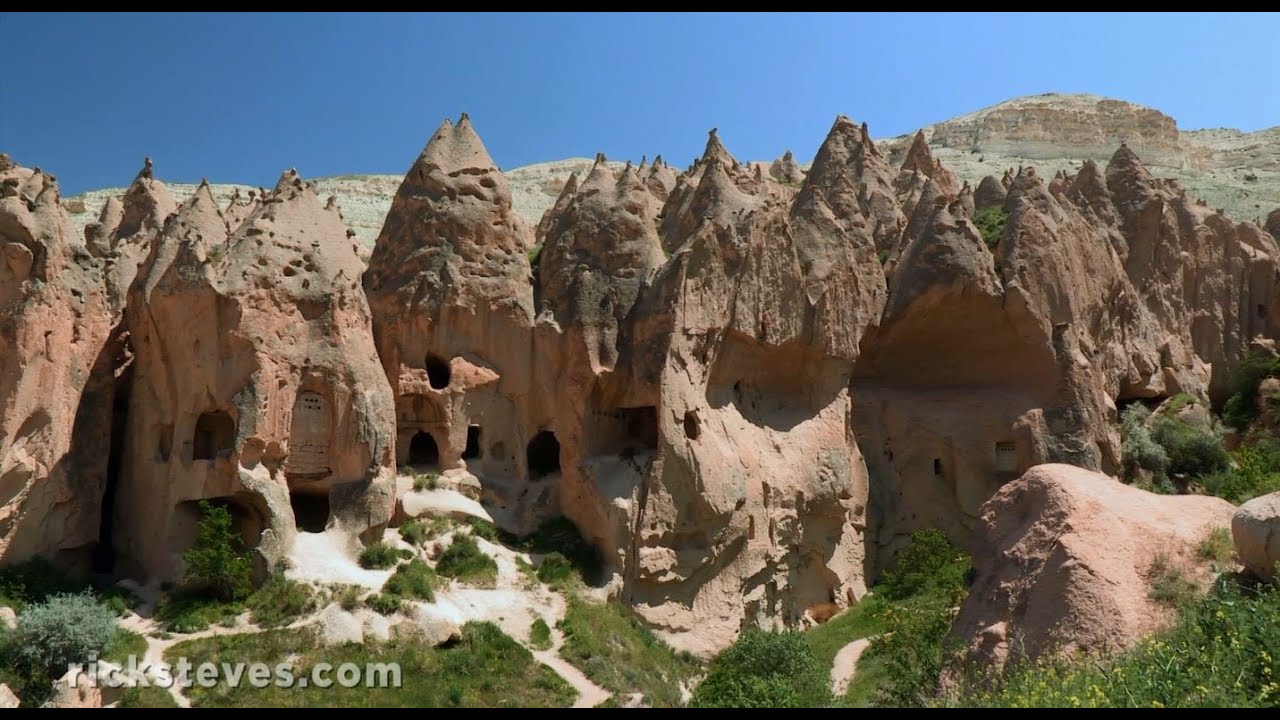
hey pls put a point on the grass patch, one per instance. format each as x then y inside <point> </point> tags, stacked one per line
<point>464,561</point>
<point>534,253</point>
<point>561,536</point>
<point>765,670</point>
<point>348,596</point>
<point>414,580</point>
<point>482,528</point>
<point>124,644</point>
<point>384,603</point>
<point>555,569</point>
<point>860,621</point>
<point>1221,653</point>
<point>378,556</point>
<point>540,635</point>
<point>428,480</point>
<point>610,646</point>
<point>1169,585</point>
<point>187,612</point>
<point>146,697</point>
<point>281,601</point>
<point>486,668</point>
<point>1217,546</point>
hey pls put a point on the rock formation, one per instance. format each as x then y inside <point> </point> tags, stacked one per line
<point>1066,560</point>
<point>54,402</point>
<point>1256,531</point>
<point>256,383</point>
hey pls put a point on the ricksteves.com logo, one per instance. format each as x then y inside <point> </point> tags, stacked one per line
<point>140,672</point>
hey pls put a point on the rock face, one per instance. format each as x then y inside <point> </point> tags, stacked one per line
<point>745,385</point>
<point>1067,559</point>
<point>255,383</point>
<point>54,325</point>
<point>1256,531</point>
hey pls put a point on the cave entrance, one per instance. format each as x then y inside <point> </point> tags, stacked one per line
<point>543,455</point>
<point>438,372</point>
<point>104,553</point>
<point>423,451</point>
<point>472,451</point>
<point>247,521</point>
<point>215,433</point>
<point>310,511</point>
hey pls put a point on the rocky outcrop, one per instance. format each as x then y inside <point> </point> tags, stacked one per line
<point>255,383</point>
<point>54,403</point>
<point>1067,559</point>
<point>1256,531</point>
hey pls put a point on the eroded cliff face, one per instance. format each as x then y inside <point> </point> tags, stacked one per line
<point>54,404</point>
<point>745,385</point>
<point>256,383</point>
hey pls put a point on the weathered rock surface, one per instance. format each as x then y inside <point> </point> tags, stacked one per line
<point>1066,560</point>
<point>255,384</point>
<point>1256,531</point>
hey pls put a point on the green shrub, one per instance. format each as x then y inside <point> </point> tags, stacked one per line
<point>1255,471</point>
<point>426,481</point>
<point>149,696</point>
<point>928,561</point>
<point>1221,653</point>
<point>384,603</point>
<point>554,568</point>
<point>1193,450</point>
<point>562,536</point>
<point>914,652</point>
<point>217,561</point>
<point>534,253</point>
<point>414,580</point>
<point>348,596</point>
<point>1169,585</point>
<point>482,528</point>
<point>1138,450</point>
<point>281,601</point>
<point>1178,402</point>
<point>378,556</point>
<point>188,612</point>
<point>1241,407</point>
<point>62,630</point>
<point>1218,546</point>
<point>33,581</point>
<point>464,560</point>
<point>765,670</point>
<point>540,635</point>
<point>413,532</point>
<point>990,223</point>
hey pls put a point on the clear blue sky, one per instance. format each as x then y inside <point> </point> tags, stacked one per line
<point>242,97</point>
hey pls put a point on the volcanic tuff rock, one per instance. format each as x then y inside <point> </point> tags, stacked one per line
<point>255,382</point>
<point>1256,531</point>
<point>1067,558</point>
<point>745,385</point>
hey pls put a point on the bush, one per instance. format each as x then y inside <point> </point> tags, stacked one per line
<point>1169,585</point>
<point>464,560</point>
<point>378,556</point>
<point>928,561</point>
<point>33,581</point>
<point>413,532</point>
<point>1138,450</point>
<point>426,481</point>
<point>1193,451</point>
<point>1256,472</point>
<point>217,560</point>
<point>990,223</point>
<point>561,536</point>
<point>62,630</point>
<point>1241,407</point>
<point>1218,546</point>
<point>280,601</point>
<point>915,651</point>
<point>765,670</point>
<point>540,635</point>
<point>414,580</point>
<point>348,596</point>
<point>554,568</point>
<point>482,528</point>
<point>384,604</point>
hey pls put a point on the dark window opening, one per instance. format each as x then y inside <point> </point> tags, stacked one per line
<point>310,511</point>
<point>692,426</point>
<point>543,455</point>
<point>1262,311</point>
<point>937,466</point>
<point>215,433</point>
<point>642,425</point>
<point>438,372</point>
<point>472,450</point>
<point>423,450</point>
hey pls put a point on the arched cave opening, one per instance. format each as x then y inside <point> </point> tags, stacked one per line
<point>310,510</point>
<point>472,450</point>
<point>215,433</point>
<point>423,451</point>
<point>438,372</point>
<point>543,455</point>
<point>692,426</point>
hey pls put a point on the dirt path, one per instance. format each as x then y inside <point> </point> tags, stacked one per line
<point>846,664</point>
<point>589,693</point>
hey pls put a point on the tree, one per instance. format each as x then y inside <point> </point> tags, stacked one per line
<point>218,561</point>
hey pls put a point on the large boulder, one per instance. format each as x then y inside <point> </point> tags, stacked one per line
<point>1256,531</point>
<point>1067,562</point>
